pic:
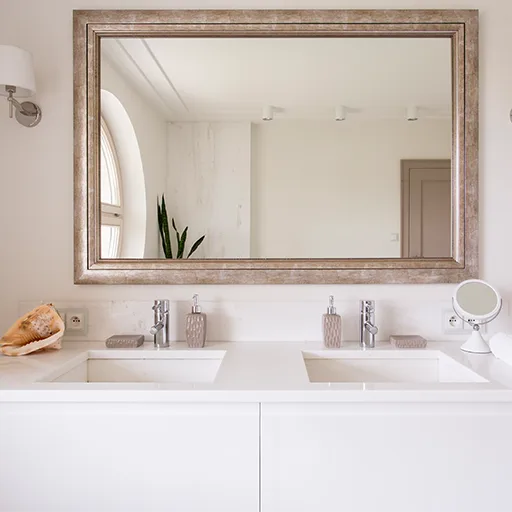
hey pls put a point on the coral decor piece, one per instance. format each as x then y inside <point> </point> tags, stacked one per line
<point>40,329</point>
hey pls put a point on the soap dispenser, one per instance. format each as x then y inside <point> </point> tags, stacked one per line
<point>332,326</point>
<point>195,329</point>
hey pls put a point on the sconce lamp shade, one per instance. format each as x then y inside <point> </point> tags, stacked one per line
<point>16,69</point>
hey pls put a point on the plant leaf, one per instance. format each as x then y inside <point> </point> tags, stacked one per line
<point>165,227</point>
<point>167,248</point>
<point>197,243</point>
<point>160,228</point>
<point>159,216</point>
<point>177,235</point>
<point>181,245</point>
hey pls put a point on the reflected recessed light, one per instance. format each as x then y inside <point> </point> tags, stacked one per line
<point>268,113</point>
<point>341,113</point>
<point>412,113</point>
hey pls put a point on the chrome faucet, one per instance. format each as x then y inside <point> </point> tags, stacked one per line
<point>367,327</point>
<point>160,330</point>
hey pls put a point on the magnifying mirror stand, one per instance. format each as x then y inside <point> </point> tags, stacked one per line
<point>476,344</point>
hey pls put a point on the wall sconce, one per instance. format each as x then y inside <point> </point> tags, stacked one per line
<point>412,113</point>
<point>340,113</point>
<point>17,78</point>
<point>268,113</point>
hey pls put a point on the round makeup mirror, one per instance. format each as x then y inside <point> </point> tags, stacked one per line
<point>476,302</point>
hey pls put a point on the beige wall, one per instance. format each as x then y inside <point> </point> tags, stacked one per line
<point>36,165</point>
<point>325,189</point>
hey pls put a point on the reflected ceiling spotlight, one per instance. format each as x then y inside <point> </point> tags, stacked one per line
<point>412,113</point>
<point>268,113</point>
<point>341,113</point>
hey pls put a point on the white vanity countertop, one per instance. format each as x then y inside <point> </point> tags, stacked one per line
<point>249,372</point>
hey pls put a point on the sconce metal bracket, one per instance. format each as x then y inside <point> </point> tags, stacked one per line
<point>27,113</point>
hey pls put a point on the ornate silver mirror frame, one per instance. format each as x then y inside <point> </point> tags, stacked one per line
<point>459,25</point>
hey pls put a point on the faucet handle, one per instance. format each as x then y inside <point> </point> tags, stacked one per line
<point>372,329</point>
<point>155,328</point>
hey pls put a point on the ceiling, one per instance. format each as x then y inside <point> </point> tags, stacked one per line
<point>192,79</point>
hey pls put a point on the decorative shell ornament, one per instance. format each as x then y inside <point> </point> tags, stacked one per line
<point>40,329</point>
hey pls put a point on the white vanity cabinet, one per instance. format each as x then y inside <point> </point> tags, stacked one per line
<point>129,457</point>
<point>363,457</point>
<point>230,457</point>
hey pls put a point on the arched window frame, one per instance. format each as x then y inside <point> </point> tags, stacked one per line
<point>111,202</point>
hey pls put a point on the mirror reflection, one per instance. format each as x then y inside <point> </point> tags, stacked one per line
<point>276,148</point>
<point>476,298</point>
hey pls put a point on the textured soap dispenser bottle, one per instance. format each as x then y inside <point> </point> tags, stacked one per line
<point>195,329</point>
<point>332,326</point>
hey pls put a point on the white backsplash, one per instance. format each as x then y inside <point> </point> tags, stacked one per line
<point>266,321</point>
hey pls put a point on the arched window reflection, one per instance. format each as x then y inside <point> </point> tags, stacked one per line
<point>111,197</point>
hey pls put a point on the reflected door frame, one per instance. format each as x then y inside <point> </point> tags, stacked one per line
<point>406,167</point>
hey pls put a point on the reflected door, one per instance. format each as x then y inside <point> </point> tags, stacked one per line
<point>426,209</point>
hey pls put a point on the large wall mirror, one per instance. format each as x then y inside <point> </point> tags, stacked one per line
<point>275,146</point>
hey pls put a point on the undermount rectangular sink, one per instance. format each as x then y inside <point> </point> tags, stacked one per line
<point>394,366</point>
<point>173,366</point>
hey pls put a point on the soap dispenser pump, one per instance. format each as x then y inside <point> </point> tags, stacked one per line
<point>195,329</point>
<point>332,326</point>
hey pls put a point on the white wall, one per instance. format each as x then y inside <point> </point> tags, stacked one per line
<point>325,189</point>
<point>209,186</point>
<point>132,186</point>
<point>36,168</point>
<point>151,131</point>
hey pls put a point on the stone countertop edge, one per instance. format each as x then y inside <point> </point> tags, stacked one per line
<point>249,372</point>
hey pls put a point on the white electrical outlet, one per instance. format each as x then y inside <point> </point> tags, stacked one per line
<point>452,324</point>
<point>75,320</point>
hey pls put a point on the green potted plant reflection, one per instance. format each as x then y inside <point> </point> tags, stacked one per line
<point>181,238</point>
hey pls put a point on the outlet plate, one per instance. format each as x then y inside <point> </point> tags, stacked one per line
<point>451,323</point>
<point>76,320</point>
